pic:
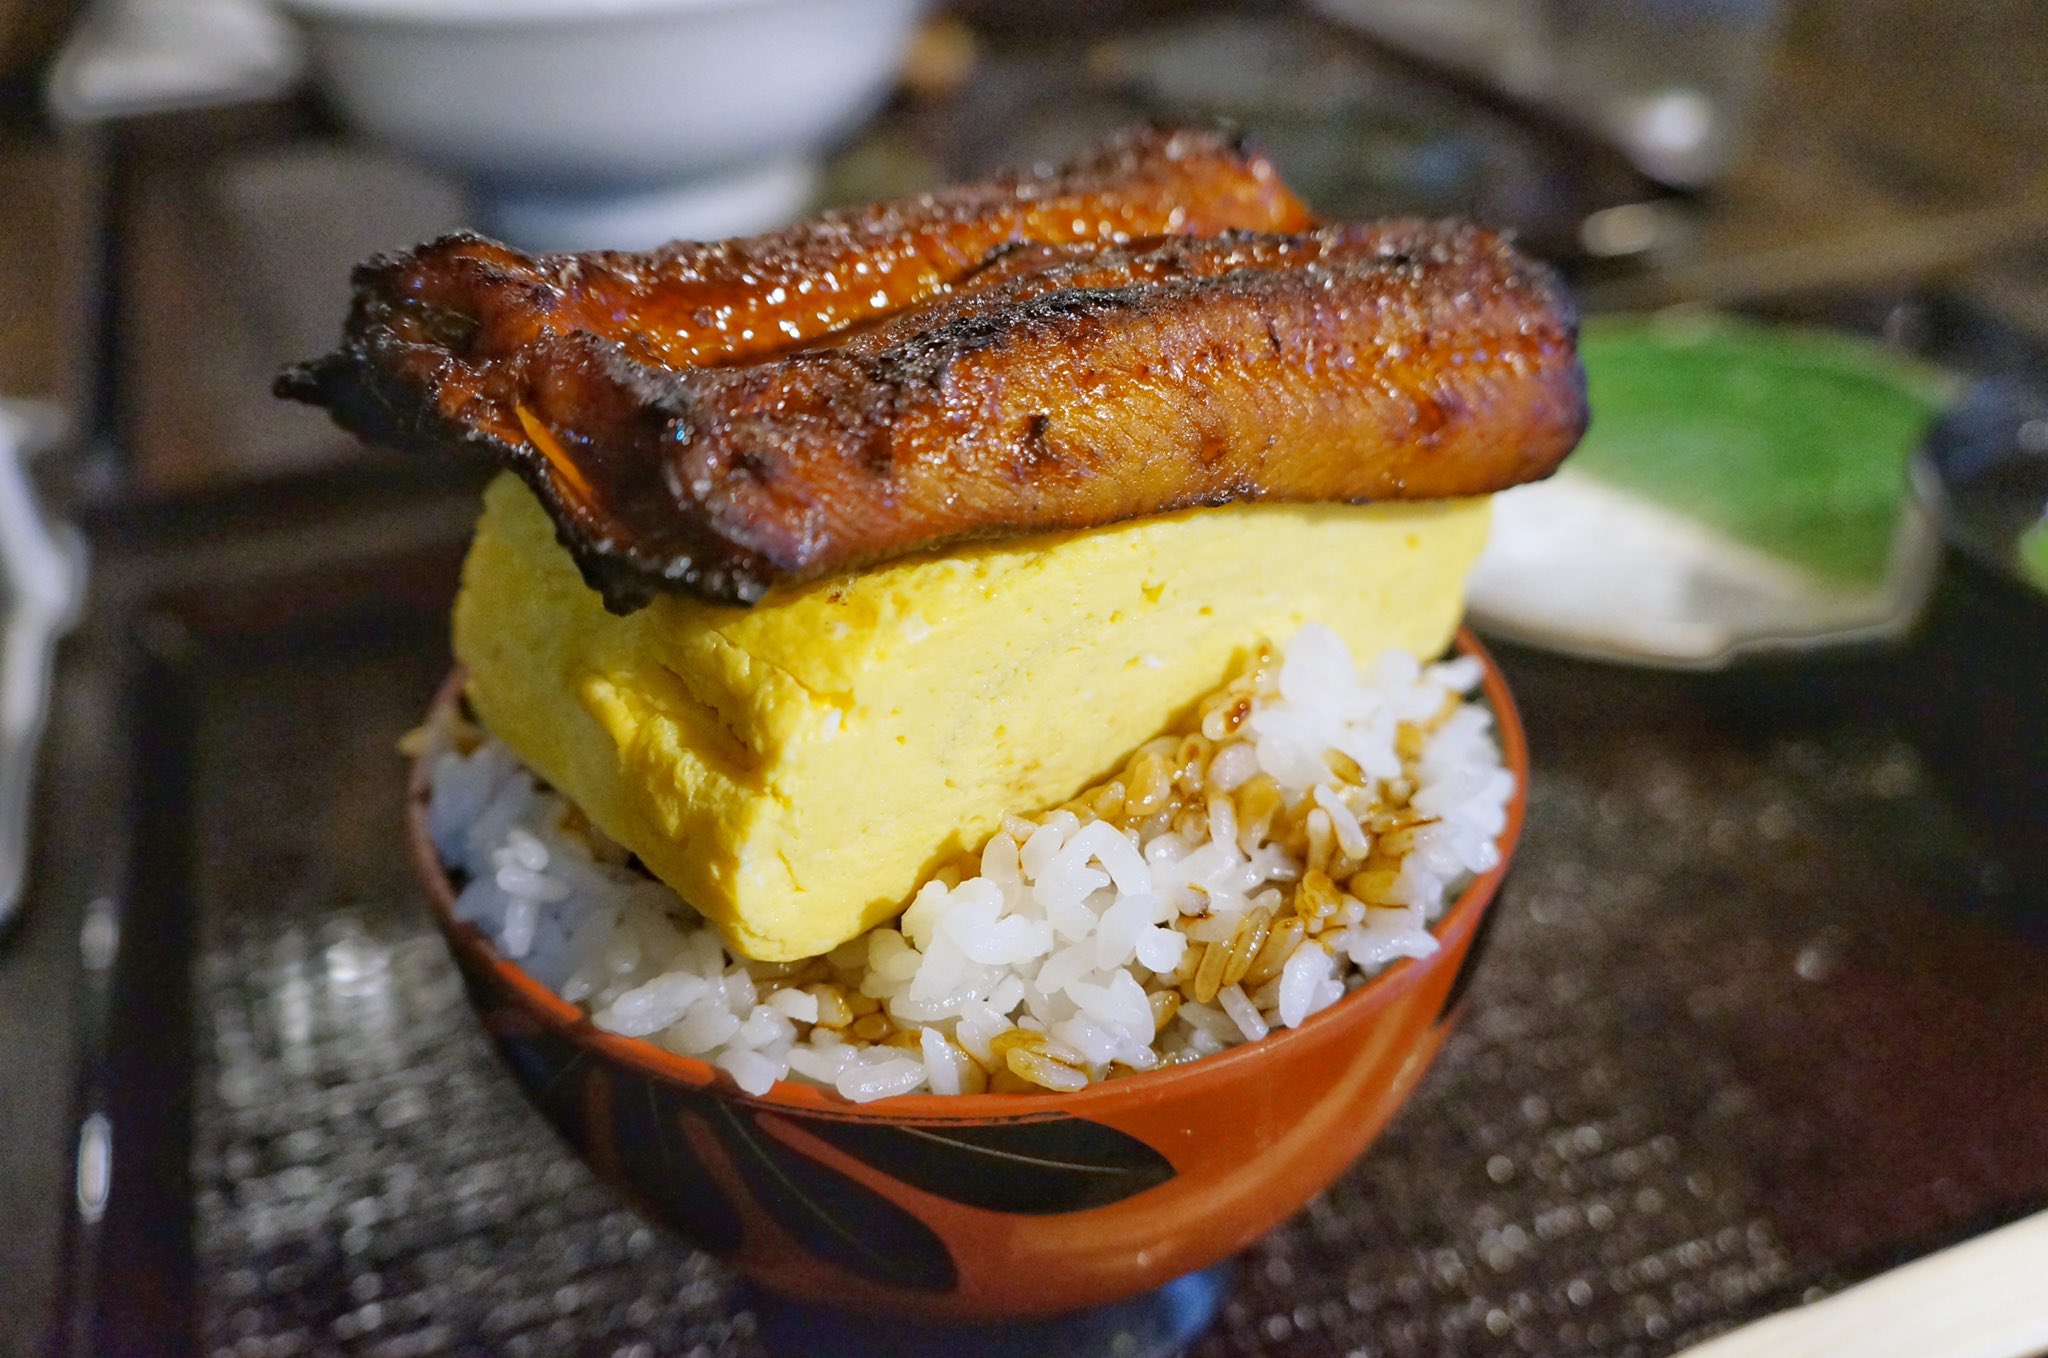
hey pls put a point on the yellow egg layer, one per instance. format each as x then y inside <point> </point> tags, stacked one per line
<point>795,769</point>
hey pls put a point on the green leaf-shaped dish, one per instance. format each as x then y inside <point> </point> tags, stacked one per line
<point>1794,442</point>
<point>1743,489</point>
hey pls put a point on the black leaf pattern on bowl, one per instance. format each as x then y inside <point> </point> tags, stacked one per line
<point>1482,936</point>
<point>656,1159</point>
<point>1037,1167</point>
<point>550,1069</point>
<point>833,1216</point>
<point>634,1128</point>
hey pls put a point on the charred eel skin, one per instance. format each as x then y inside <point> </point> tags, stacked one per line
<point>429,328</point>
<point>1045,386</point>
<point>1078,387</point>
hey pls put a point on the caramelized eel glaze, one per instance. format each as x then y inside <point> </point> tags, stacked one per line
<point>993,360</point>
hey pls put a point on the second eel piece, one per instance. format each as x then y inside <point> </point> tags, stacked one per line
<point>719,419</point>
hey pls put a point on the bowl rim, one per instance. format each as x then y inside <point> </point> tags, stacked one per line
<point>565,1018</point>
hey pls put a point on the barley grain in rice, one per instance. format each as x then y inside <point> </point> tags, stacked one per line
<point>1189,902</point>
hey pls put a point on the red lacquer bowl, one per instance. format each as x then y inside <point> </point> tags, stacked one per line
<point>985,1206</point>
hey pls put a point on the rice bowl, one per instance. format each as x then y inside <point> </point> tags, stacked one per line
<point>1137,1180</point>
<point>906,813</point>
<point>1298,833</point>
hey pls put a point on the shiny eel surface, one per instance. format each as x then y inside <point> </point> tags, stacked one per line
<point>1055,386</point>
<point>423,347</point>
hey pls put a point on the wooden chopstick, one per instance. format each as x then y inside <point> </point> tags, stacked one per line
<point>1984,1298</point>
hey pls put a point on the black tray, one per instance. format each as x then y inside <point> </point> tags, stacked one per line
<point>1759,1016</point>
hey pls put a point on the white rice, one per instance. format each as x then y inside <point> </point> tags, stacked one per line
<point>1053,960</point>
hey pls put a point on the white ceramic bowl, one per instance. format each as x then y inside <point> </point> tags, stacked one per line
<point>560,101</point>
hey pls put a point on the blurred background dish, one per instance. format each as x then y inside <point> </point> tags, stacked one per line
<point>1983,476</point>
<point>42,586</point>
<point>1982,479</point>
<point>1742,490</point>
<point>1764,1008</point>
<point>618,124</point>
<point>128,58</point>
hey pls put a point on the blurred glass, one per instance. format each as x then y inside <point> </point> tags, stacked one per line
<point>1671,82</point>
<point>1503,41</point>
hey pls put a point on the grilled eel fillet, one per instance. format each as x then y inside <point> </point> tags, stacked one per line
<point>429,329</point>
<point>1054,387</point>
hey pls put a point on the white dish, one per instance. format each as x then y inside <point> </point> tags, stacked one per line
<point>42,585</point>
<point>1578,567</point>
<point>707,207</point>
<point>568,97</point>
<point>1732,499</point>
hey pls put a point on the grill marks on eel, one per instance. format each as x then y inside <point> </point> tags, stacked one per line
<point>692,303</point>
<point>1017,381</point>
<point>1073,387</point>
<point>444,344</point>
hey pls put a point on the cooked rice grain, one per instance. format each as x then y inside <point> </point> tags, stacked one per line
<point>1186,904</point>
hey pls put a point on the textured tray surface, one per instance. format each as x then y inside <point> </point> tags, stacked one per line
<point>1714,1051</point>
